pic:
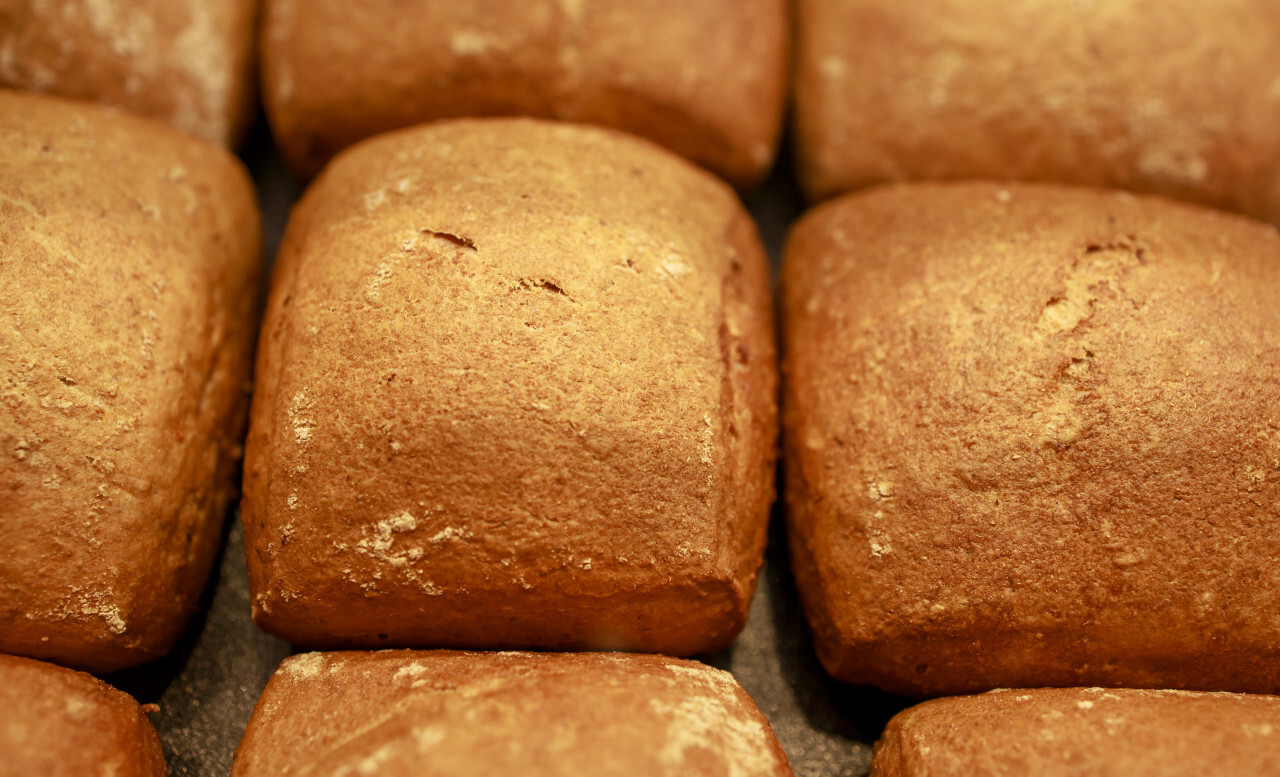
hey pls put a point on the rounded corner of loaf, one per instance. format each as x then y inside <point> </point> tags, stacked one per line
<point>184,64</point>
<point>133,291</point>
<point>581,301</point>
<point>1096,95</point>
<point>45,706</point>
<point>637,718</point>
<point>706,81</point>
<point>991,368</point>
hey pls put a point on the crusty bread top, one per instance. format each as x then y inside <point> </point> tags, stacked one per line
<point>57,722</point>
<point>1175,97</point>
<point>1069,732</point>
<point>184,62</point>
<point>130,256</point>
<point>1038,419</point>
<point>705,79</point>
<point>554,714</point>
<point>510,355</point>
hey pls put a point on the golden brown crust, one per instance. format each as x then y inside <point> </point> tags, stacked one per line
<point>516,389</point>
<point>443,713</point>
<point>1032,439</point>
<point>1074,731</point>
<point>188,63</point>
<point>707,79</point>
<point>129,289</point>
<point>1172,97</point>
<point>57,722</point>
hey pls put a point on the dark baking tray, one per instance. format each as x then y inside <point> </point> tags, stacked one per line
<point>207,686</point>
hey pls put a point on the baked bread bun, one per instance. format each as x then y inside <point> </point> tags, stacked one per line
<point>705,79</point>
<point>57,722</point>
<point>1065,732</point>
<point>1180,97</point>
<point>129,294</point>
<point>188,63</point>
<point>1032,439</point>
<point>516,389</point>
<point>442,713</point>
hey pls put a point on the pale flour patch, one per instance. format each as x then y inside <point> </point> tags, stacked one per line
<point>304,666</point>
<point>109,613</point>
<point>201,54</point>
<point>300,417</point>
<point>714,723</point>
<point>468,43</point>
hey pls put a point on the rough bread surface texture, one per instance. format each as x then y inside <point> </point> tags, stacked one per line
<point>188,63</point>
<point>1173,97</point>
<point>129,293</point>
<point>1066,732</point>
<point>1033,439</point>
<point>516,388</point>
<point>706,79</point>
<point>57,722</point>
<point>447,714</point>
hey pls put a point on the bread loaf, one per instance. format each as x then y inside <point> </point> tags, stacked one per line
<point>515,389</point>
<point>444,713</point>
<point>1173,97</point>
<point>1032,439</point>
<point>129,293</point>
<point>706,79</point>
<point>57,722</point>
<point>1074,731</point>
<point>188,63</point>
